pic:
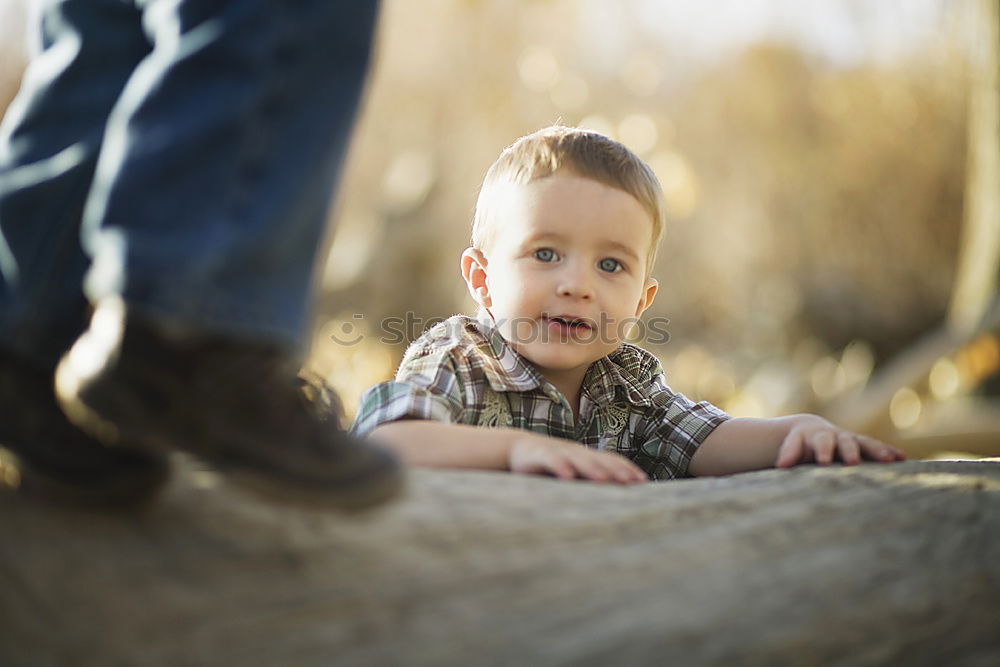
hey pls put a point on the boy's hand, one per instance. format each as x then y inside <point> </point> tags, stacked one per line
<point>538,454</point>
<point>813,438</point>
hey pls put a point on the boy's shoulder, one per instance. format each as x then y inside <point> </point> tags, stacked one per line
<point>459,334</point>
<point>474,350</point>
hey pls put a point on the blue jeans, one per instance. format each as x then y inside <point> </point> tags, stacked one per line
<point>180,154</point>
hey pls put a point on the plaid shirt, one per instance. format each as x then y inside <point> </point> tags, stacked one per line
<point>462,371</point>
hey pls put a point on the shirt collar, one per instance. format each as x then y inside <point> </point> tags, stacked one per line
<point>606,381</point>
<point>505,369</point>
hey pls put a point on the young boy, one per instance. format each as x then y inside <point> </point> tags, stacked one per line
<point>563,242</point>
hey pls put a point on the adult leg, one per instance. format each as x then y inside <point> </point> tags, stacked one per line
<point>49,142</point>
<point>204,220</point>
<point>212,192</point>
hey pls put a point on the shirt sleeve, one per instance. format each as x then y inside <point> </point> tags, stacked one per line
<point>674,428</point>
<point>427,386</point>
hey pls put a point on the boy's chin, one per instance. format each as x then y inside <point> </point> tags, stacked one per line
<point>562,359</point>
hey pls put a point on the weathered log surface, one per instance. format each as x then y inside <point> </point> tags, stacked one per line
<point>870,565</point>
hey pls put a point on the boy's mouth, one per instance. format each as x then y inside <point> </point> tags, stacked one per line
<point>570,322</point>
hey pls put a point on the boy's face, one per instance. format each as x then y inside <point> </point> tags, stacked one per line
<point>564,273</point>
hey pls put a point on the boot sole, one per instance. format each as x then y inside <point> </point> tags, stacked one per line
<point>126,492</point>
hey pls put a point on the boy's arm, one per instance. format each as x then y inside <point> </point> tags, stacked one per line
<point>446,445</point>
<point>742,444</point>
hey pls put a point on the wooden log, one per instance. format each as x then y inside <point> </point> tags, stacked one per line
<point>866,565</point>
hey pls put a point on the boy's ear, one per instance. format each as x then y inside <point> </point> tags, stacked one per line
<point>474,264</point>
<point>648,294</point>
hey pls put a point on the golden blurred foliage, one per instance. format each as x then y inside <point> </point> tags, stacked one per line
<point>814,182</point>
<point>814,203</point>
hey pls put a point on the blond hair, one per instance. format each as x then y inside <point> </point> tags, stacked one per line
<point>584,153</point>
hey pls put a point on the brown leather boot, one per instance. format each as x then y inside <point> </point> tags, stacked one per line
<point>44,457</point>
<point>235,404</point>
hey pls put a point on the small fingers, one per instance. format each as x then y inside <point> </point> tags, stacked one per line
<point>610,467</point>
<point>555,464</point>
<point>823,443</point>
<point>790,451</point>
<point>621,469</point>
<point>627,472</point>
<point>848,447</point>
<point>590,468</point>
<point>574,461</point>
<point>559,468</point>
<point>876,450</point>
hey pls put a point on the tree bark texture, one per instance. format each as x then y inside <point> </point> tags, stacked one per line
<point>866,565</point>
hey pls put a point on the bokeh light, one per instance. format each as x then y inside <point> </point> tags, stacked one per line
<point>812,158</point>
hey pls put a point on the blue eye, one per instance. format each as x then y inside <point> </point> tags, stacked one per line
<point>545,255</point>
<point>610,265</point>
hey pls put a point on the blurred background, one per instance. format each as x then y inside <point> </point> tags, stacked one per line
<point>831,175</point>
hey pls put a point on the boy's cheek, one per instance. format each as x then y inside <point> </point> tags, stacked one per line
<point>610,330</point>
<point>519,330</point>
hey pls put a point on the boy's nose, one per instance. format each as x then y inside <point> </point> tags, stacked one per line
<point>574,285</point>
